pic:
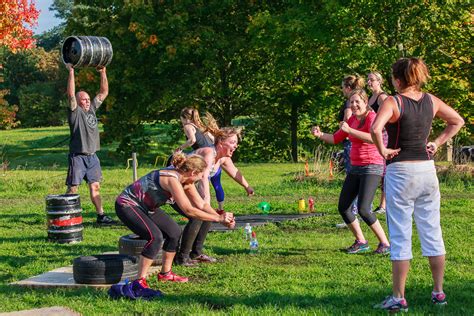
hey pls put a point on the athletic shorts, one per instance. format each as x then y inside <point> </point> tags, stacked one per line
<point>412,191</point>
<point>83,167</point>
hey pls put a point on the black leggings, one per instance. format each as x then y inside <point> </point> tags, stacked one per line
<point>363,186</point>
<point>194,235</point>
<point>152,227</point>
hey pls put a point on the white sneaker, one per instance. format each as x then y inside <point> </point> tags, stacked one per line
<point>341,225</point>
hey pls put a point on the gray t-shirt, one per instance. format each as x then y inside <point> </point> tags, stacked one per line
<point>84,129</point>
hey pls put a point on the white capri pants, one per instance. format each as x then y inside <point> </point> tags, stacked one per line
<point>412,189</point>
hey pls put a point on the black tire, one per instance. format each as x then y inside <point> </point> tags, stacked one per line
<point>104,269</point>
<point>132,245</point>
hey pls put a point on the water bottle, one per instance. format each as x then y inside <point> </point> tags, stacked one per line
<point>248,231</point>
<point>253,244</point>
<point>301,205</point>
<point>311,205</point>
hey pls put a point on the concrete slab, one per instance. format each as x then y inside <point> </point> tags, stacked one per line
<point>63,277</point>
<point>47,311</point>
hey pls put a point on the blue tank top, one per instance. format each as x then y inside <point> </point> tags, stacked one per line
<point>410,133</point>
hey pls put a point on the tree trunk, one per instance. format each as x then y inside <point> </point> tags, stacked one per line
<point>294,131</point>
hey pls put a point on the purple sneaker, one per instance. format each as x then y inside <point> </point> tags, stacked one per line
<point>382,249</point>
<point>142,290</point>
<point>358,247</point>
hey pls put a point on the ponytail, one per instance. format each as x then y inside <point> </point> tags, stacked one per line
<point>353,82</point>
<point>411,72</point>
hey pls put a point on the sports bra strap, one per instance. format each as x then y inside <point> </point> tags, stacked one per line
<point>171,174</point>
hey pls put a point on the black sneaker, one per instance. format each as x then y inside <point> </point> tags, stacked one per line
<point>104,220</point>
<point>185,262</point>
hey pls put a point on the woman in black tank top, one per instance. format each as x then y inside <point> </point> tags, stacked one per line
<point>411,184</point>
<point>196,132</point>
<point>374,82</point>
<point>139,208</point>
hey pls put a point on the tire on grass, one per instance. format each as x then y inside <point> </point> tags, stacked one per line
<point>132,245</point>
<point>104,269</point>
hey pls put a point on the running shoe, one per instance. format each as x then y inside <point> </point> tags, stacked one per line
<point>380,210</point>
<point>439,299</point>
<point>105,220</point>
<point>382,249</point>
<point>393,305</point>
<point>185,262</point>
<point>204,258</point>
<point>172,277</point>
<point>142,290</point>
<point>341,225</point>
<point>358,247</point>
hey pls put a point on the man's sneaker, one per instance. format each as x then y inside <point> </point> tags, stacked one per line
<point>104,220</point>
<point>171,276</point>
<point>341,225</point>
<point>380,210</point>
<point>205,258</point>
<point>185,262</point>
<point>358,247</point>
<point>393,305</point>
<point>439,299</point>
<point>382,249</point>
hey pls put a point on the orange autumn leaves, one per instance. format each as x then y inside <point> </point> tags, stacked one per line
<point>15,19</point>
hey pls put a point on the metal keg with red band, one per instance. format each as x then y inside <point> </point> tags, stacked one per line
<point>64,218</point>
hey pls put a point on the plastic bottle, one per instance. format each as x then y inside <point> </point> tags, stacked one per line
<point>253,244</point>
<point>248,231</point>
<point>311,205</point>
<point>301,205</point>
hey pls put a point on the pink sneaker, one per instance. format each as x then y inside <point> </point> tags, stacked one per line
<point>171,276</point>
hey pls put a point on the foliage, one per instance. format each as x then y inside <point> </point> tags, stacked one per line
<point>36,85</point>
<point>16,16</point>
<point>51,39</point>
<point>7,112</point>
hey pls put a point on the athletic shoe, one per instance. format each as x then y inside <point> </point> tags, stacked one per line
<point>382,249</point>
<point>439,299</point>
<point>358,246</point>
<point>171,276</point>
<point>205,258</point>
<point>380,210</point>
<point>341,225</point>
<point>142,290</point>
<point>104,220</point>
<point>185,262</point>
<point>391,305</point>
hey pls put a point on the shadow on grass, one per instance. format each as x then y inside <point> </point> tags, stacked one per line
<point>341,304</point>
<point>419,300</point>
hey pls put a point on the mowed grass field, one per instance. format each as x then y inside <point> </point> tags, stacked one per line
<point>301,268</point>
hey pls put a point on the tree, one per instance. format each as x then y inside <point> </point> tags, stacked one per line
<point>35,84</point>
<point>14,15</point>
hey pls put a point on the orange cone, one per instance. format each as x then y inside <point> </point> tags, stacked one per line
<point>306,168</point>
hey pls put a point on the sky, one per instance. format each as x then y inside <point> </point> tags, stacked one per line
<point>46,19</point>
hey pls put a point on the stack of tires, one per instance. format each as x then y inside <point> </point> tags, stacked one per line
<point>104,269</point>
<point>132,245</point>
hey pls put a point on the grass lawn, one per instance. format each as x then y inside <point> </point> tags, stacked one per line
<point>301,268</point>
